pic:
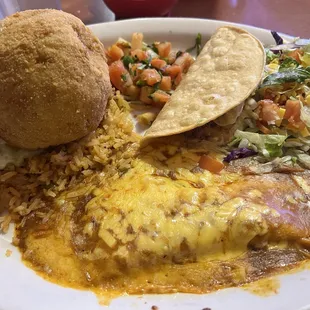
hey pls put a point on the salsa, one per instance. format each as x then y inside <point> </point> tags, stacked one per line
<point>147,73</point>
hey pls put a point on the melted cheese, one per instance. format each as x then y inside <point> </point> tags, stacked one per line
<point>164,226</point>
<point>171,215</point>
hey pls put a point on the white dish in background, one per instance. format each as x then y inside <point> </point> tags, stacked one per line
<point>22,289</point>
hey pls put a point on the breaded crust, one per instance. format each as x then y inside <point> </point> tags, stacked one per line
<point>54,79</point>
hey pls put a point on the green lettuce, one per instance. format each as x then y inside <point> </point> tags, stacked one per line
<point>305,114</point>
<point>305,48</point>
<point>298,75</point>
<point>270,56</point>
<point>197,46</point>
<point>288,64</point>
<point>304,159</point>
<point>266,145</point>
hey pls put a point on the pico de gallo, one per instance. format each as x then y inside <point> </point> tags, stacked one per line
<point>148,73</point>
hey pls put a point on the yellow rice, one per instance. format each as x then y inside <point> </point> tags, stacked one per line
<point>33,186</point>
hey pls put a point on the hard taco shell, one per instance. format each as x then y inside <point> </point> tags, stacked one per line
<point>227,71</point>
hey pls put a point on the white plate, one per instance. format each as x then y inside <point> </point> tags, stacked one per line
<point>22,289</point>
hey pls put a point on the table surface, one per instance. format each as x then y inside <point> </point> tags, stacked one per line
<point>287,16</point>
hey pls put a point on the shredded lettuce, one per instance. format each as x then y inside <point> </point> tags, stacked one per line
<point>293,143</point>
<point>280,70</point>
<point>298,75</point>
<point>266,145</point>
<point>288,64</point>
<point>304,159</point>
<point>305,114</point>
<point>270,55</point>
<point>306,43</point>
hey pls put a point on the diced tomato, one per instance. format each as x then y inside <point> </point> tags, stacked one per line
<point>165,83</point>
<point>292,114</point>
<point>160,98</point>
<point>173,71</point>
<point>292,111</point>
<point>136,41</point>
<point>296,54</point>
<point>263,128</point>
<point>158,63</point>
<point>115,53</point>
<point>178,79</point>
<point>141,55</point>
<point>163,49</point>
<point>171,58</point>
<point>146,91</point>
<point>269,111</point>
<point>119,76</point>
<point>151,76</point>
<point>296,127</point>
<point>184,61</point>
<point>211,164</point>
<point>135,71</point>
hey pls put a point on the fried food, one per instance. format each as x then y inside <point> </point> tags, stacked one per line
<point>54,80</point>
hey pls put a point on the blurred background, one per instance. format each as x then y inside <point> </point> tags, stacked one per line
<point>286,16</point>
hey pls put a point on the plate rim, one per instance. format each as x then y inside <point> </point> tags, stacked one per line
<point>185,299</point>
<point>187,19</point>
